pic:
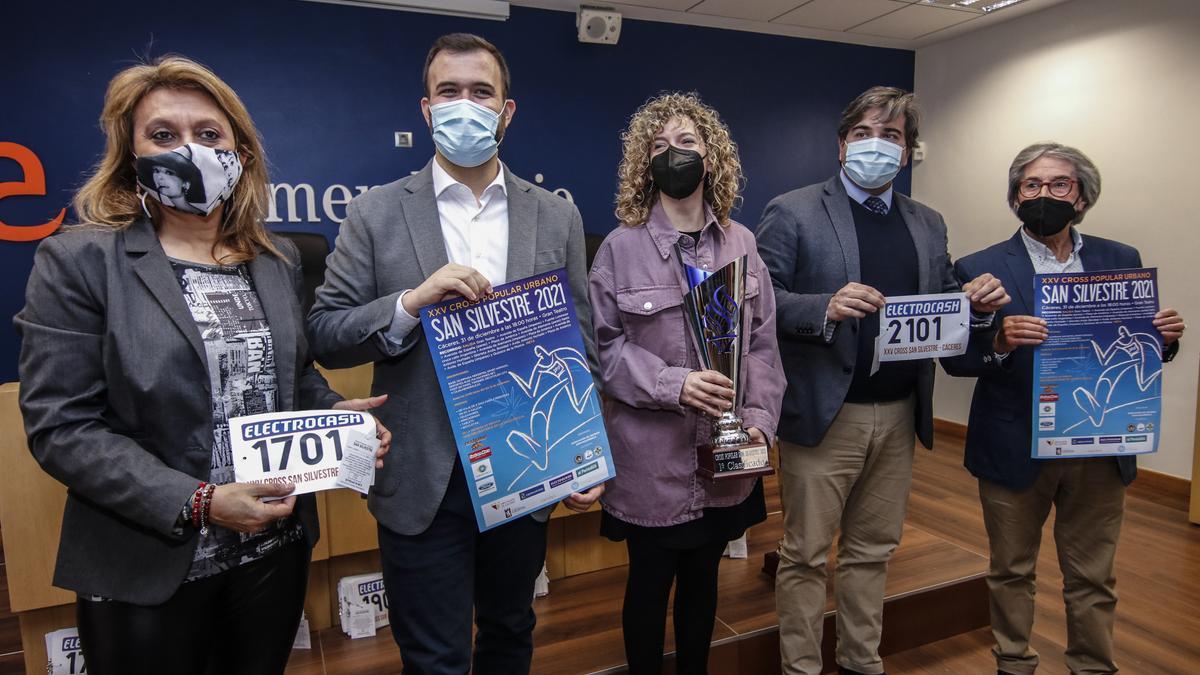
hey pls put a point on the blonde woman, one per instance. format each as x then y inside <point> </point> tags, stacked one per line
<point>144,330</point>
<point>679,180</point>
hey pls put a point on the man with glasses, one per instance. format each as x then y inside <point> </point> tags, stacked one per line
<point>835,251</point>
<point>1050,188</point>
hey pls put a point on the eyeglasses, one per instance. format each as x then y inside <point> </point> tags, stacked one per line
<point>1059,187</point>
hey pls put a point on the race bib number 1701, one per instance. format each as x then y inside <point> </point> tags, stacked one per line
<point>313,449</point>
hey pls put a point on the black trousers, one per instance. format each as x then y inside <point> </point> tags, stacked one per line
<point>240,622</point>
<point>437,579</point>
<point>652,570</point>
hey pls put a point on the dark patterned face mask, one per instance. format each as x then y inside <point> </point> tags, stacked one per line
<point>191,178</point>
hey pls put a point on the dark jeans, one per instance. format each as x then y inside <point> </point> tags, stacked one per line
<point>652,570</point>
<point>238,622</point>
<point>436,580</point>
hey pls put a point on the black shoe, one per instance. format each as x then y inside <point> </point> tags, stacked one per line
<point>847,671</point>
<point>1003,672</point>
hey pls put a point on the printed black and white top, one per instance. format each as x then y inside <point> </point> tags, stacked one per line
<point>241,370</point>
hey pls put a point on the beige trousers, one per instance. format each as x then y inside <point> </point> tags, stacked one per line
<point>856,479</point>
<point>1089,501</point>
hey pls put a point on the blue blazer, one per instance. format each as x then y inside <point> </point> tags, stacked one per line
<point>999,429</point>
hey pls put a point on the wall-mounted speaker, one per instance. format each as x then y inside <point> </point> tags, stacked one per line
<point>600,25</point>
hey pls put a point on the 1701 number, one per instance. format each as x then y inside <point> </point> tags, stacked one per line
<point>312,449</point>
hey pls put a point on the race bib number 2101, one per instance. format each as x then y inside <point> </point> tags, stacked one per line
<point>923,327</point>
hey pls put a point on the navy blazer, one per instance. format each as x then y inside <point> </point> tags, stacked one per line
<point>999,430</point>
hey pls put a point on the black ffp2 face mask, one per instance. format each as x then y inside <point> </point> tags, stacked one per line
<point>1046,216</point>
<point>677,172</point>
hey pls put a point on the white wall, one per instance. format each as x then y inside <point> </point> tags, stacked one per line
<point>1119,79</point>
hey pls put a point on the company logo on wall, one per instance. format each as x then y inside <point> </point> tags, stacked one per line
<point>33,183</point>
<point>288,202</point>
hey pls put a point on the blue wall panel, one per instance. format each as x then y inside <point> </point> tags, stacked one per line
<point>328,85</point>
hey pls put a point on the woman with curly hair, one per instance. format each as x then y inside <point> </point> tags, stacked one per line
<point>679,180</point>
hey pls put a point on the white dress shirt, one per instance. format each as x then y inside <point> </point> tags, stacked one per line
<point>475,233</point>
<point>1043,259</point>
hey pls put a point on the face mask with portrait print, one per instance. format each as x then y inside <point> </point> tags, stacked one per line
<point>872,162</point>
<point>191,178</point>
<point>465,132</point>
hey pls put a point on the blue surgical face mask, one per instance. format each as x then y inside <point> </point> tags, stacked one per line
<point>872,162</point>
<point>464,131</point>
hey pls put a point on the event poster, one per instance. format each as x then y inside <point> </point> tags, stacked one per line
<point>1097,387</point>
<point>525,411</point>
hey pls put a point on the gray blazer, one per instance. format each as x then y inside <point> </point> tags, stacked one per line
<point>117,402</point>
<point>808,241</point>
<point>391,241</point>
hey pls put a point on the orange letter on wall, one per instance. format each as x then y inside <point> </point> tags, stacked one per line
<point>34,184</point>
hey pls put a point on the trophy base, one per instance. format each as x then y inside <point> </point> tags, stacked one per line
<point>736,461</point>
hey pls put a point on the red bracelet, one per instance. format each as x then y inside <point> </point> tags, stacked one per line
<point>206,500</point>
<point>196,505</point>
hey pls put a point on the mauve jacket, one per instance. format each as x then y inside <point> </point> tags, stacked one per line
<point>636,290</point>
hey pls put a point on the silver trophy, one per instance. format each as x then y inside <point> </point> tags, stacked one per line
<point>713,308</point>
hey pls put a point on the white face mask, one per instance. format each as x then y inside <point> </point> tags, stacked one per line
<point>191,178</point>
<point>872,162</point>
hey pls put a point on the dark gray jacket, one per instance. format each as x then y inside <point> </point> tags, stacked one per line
<point>807,239</point>
<point>118,407</point>
<point>392,241</point>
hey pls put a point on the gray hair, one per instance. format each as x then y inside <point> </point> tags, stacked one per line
<point>1085,172</point>
<point>891,102</point>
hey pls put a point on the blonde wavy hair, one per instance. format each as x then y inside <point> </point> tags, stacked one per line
<point>109,198</point>
<point>637,193</point>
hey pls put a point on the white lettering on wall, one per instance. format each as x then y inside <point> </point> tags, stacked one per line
<point>290,191</point>
<point>334,200</point>
<point>328,201</point>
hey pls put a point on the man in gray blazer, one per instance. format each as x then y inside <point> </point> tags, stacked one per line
<point>457,227</point>
<point>835,251</point>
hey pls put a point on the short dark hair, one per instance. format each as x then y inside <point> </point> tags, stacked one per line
<point>892,101</point>
<point>457,43</point>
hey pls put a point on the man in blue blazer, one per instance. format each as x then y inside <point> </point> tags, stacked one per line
<point>1050,186</point>
<point>835,251</point>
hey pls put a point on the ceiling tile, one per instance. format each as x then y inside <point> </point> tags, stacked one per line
<point>674,5</point>
<point>758,10</point>
<point>838,14</point>
<point>914,21</point>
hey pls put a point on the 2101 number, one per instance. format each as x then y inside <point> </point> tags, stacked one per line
<point>918,329</point>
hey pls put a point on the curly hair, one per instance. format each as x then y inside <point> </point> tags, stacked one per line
<point>637,193</point>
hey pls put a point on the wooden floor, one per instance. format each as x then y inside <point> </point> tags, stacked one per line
<point>1158,572</point>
